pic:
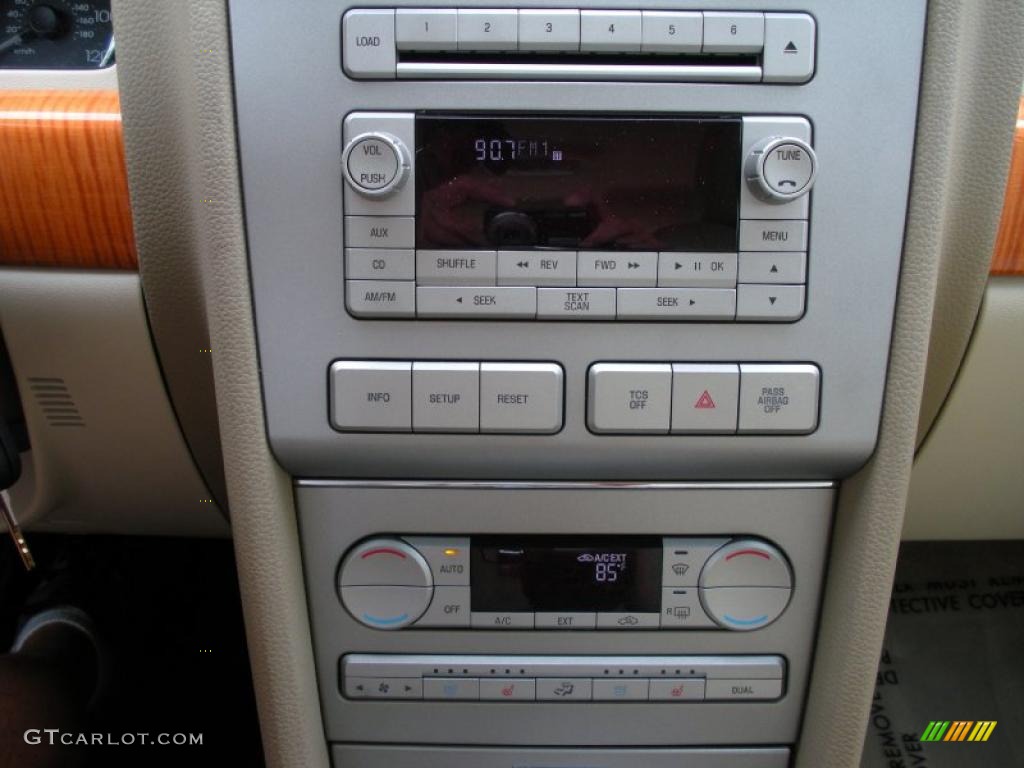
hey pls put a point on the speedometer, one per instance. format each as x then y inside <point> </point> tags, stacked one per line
<point>58,34</point>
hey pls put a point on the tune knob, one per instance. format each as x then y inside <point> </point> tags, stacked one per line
<point>746,584</point>
<point>376,164</point>
<point>781,168</point>
<point>385,583</point>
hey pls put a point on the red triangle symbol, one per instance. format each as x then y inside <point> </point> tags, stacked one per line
<point>704,401</point>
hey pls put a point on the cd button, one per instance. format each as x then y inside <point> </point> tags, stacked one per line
<point>380,264</point>
<point>628,620</point>
<point>564,689</point>
<point>611,31</point>
<point>677,690</point>
<point>554,620</point>
<point>497,620</point>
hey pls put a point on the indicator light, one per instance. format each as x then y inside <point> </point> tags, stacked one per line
<point>451,552</point>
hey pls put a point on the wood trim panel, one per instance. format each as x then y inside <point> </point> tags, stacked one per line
<point>63,185</point>
<point>1008,257</point>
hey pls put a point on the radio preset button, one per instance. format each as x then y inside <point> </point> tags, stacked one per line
<point>368,43</point>
<point>626,398</point>
<point>445,397</point>
<point>676,304</point>
<point>611,31</point>
<point>672,31</point>
<point>418,29</point>
<point>380,231</point>
<point>498,620</point>
<point>551,268</point>
<point>371,396</point>
<point>773,235</point>
<point>778,398</point>
<point>576,304</point>
<point>380,298</point>
<point>488,30</point>
<point>380,264</point>
<point>726,32</point>
<point>524,398</point>
<point>446,301</point>
<point>617,268</point>
<point>770,303</point>
<point>549,30</point>
<point>676,690</point>
<point>705,398</point>
<point>564,689</point>
<point>697,270</point>
<point>568,620</point>
<point>455,267</point>
<point>449,608</point>
<point>787,267</point>
<point>620,689</point>
<point>788,48</point>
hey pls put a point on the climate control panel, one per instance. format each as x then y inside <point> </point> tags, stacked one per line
<point>565,582</point>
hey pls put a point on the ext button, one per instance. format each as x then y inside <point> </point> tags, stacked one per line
<point>629,398</point>
<point>548,620</point>
<point>371,396</point>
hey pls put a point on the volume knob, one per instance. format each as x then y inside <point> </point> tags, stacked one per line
<point>385,583</point>
<point>781,168</point>
<point>376,164</point>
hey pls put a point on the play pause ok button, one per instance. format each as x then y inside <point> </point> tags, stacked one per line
<point>705,399</point>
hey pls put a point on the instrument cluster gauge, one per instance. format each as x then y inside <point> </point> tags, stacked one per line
<point>56,34</point>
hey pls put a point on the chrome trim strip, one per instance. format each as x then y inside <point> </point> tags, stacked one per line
<point>423,70</point>
<point>569,485</point>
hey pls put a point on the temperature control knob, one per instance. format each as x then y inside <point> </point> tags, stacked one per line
<point>385,583</point>
<point>375,164</point>
<point>746,584</point>
<point>781,168</point>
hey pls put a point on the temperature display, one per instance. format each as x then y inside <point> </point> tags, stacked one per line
<point>566,573</point>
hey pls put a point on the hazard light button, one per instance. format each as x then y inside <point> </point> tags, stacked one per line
<point>705,398</point>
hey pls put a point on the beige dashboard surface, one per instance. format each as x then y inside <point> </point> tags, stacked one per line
<point>968,479</point>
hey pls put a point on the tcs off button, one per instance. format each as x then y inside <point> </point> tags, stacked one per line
<point>375,164</point>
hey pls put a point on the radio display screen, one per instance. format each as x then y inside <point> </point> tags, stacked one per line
<point>570,573</point>
<point>597,183</point>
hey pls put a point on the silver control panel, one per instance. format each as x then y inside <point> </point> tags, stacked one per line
<point>388,277</point>
<point>623,679</point>
<point>511,44</point>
